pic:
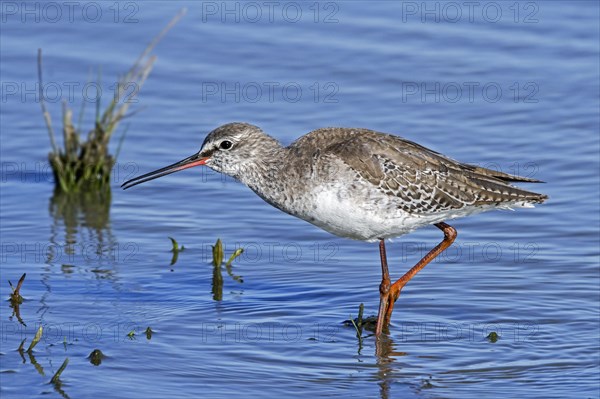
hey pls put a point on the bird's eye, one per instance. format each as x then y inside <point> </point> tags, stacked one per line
<point>225,145</point>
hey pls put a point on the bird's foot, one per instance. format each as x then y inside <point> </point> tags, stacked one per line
<point>386,307</point>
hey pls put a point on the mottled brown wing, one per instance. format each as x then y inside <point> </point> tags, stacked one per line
<point>423,180</point>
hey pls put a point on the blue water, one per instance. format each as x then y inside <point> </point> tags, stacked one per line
<point>509,85</point>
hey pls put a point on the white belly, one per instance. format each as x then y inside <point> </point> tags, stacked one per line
<point>365,219</point>
<point>369,216</point>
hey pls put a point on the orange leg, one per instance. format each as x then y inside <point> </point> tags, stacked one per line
<point>384,290</point>
<point>389,294</point>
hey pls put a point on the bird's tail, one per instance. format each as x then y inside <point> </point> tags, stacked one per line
<point>501,175</point>
<point>497,184</point>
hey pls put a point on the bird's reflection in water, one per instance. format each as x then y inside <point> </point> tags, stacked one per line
<point>385,351</point>
<point>386,355</point>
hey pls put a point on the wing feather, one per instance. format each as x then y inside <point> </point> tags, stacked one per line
<point>423,180</point>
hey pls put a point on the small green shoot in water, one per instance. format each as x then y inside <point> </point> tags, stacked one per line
<point>15,296</point>
<point>149,333</point>
<point>217,260</point>
<point>361,323</point>
<point>56,377</point>
<point>361,309</point>
<point>228,267</point>
<point>234,255</point>
<point>21,350</point>
<point>175,249</point>
<point>217,252</point>
<point>36,339</point>
<point>493,337</point>
<point>131,334</point>
<point>355,326</point>
<point>358,324</point>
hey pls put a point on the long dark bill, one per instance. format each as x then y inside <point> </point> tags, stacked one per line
<point>189,162</point>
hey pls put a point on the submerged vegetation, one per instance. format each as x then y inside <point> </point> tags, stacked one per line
<point>217,260</point>
<point>493,337</point>
<point>15,297</point>
<point>84,163</point>
<point>81,164</point>
<point>361,323</point>
<point>358,323</point>
<point>175,245</point>
<point>56,377</point>
<point>96,357</point>
<point>175,249</point>
<point>36,339</point>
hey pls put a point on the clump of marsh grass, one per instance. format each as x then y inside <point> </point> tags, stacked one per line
<point>84,162</point>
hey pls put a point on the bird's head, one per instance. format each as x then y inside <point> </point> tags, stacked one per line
<point>234,149</point>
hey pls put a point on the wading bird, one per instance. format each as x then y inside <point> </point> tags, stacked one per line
<point>359,184</point>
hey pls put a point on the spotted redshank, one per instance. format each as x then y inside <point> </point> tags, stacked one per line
<point>359,184</point>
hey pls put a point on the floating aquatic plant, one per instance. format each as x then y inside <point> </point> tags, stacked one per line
<point>358,323</point>
<point>56,377</point>
<point>493,337</point>
<point>175,249</point>
<point>16,299</point>
<point>234,255</point>
<point>217,252</point>
<point>36,339</point>
<point>362,323</point>
<point>96,357</point>
<point>15,296</point>
<point>21,350</point>
<point>217,260</point>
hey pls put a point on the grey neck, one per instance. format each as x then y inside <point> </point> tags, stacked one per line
<point>263,173</point>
